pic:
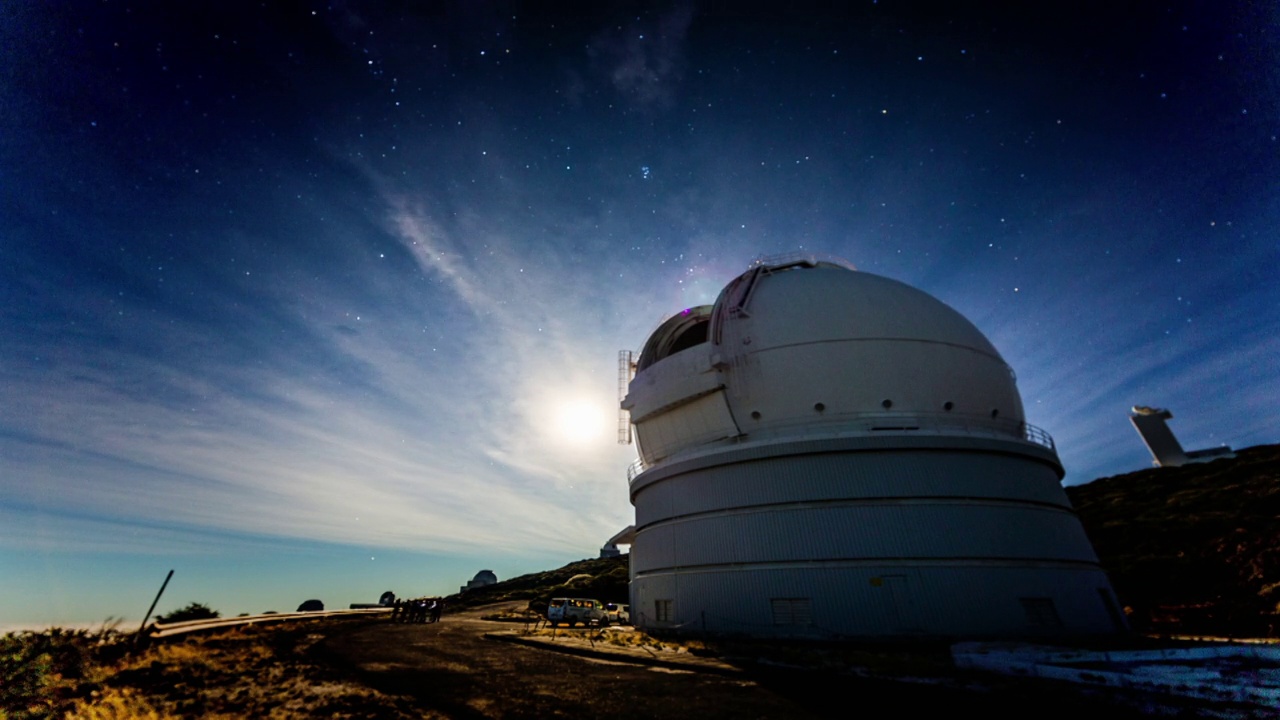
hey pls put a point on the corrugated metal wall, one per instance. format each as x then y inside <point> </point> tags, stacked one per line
<point>945,473</point>
<point>885,530</point>
<point>697,422</point>
<point>884,601</point>
<point>868,543</point>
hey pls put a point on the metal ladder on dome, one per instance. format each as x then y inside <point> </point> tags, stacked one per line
<point>626,371</point>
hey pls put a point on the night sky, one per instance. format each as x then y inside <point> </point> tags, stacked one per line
<point>321,300</point>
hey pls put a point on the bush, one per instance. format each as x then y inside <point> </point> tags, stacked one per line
<point>194,611</point>
<point>42,674</point>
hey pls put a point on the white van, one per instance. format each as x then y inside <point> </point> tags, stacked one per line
<point>618,613</point>
<point>575,610</point>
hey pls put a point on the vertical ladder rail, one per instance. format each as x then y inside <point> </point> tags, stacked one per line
<point>626,371</point>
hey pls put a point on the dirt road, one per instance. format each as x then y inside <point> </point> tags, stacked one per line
<point>450,669</point>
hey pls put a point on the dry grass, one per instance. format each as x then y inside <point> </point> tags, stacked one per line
<point>43,674</point>
<point>625,638</point>
<point>250,672</point>
<point>116,704</point>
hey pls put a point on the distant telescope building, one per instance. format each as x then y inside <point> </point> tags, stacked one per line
<point>484,578</point>
<point>1165,449</point>
<point>829,453</point>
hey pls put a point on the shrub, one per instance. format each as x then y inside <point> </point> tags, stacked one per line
<point>42,674</point>
<point>194,611</point>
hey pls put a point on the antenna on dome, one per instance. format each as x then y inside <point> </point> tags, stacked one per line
<point>626,371</point>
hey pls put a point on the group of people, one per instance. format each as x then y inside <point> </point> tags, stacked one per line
<point>418,610</point>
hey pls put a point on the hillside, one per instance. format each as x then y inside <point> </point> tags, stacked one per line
<point>1194,549</point>
<point>604,579</point>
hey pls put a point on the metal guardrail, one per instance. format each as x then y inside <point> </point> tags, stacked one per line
<point>1039,436</point>
<point>158,630</point>
<point>869,424</point>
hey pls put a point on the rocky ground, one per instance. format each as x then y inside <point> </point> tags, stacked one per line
<point>470,667</point>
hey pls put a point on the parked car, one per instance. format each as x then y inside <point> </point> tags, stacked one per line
<point>618,613</point>
<point>572,611</point>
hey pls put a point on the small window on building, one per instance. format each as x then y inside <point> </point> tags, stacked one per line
<point>1041,612</point>
<point>792,611</point>
<point>662,610</point>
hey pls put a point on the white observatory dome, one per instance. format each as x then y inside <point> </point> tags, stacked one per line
<point>830,453</point>
<point>821,345</point>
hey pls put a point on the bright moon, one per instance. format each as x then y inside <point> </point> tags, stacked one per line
<point>579,422</point>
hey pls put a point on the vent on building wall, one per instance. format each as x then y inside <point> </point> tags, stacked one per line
<point>792,611</point>
<point>662,610</point>
<point>1041,612</point>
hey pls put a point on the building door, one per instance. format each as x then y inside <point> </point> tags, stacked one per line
<point>902,605</point>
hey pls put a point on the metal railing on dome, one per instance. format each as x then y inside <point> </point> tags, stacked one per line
<point>1037,435</point>
<point>870,424</point>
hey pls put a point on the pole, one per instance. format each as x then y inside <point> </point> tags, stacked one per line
<point>151,609</point>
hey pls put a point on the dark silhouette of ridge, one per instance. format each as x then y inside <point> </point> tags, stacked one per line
<point>1192,549</point>
<point>606,580</point>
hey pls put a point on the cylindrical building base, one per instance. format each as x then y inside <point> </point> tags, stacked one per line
<point>912,535</point>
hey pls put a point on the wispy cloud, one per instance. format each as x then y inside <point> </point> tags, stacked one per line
<point>542,339</point>
<point>644,61</point>
<point>428,423</point>
<point>1144,341</point>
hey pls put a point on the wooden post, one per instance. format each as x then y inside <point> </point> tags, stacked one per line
<point>151,609</point>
